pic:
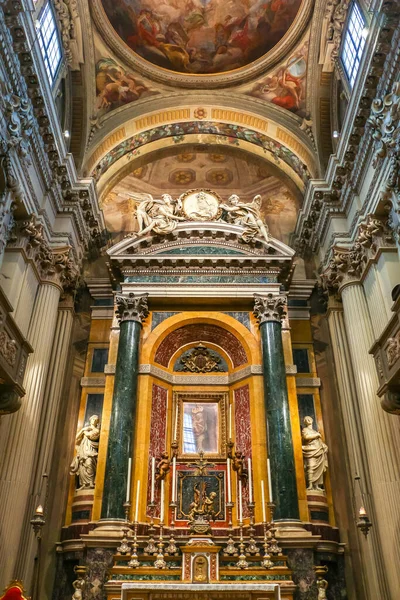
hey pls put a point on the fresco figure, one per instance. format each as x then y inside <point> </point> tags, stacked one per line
<point>201,36</point>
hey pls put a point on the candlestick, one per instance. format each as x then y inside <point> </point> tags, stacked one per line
<point>250,481</point>
<point>137,501</point>
<point>174,479</point>
<point>269,480</point>
<point>240,502</point>
<point>263,502</point>
<point>134,562</point>
<point>176,422</point>
<point>128,483</point>
<point>228,482</point>
<point>162,502</point>
<point>153,478</point>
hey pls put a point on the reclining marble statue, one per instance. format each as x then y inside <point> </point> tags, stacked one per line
<point>162,215</point>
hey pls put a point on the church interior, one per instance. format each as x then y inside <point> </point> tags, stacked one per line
<point>199,299</point>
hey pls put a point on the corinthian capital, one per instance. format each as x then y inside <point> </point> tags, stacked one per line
<point>132,307</point>
<point>269,308</point>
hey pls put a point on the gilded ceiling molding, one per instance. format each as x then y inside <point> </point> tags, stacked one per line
<point>224,130</point>
<point>349,265</point>
<point>193,81</point>
<point>117,169</point>
<point>259,116</point>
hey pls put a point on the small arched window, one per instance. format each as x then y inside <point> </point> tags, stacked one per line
<point>49,41</point>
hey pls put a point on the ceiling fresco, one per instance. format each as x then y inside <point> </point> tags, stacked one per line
<point>226,173</point>
<point>116,86</point>
<point>201,36</point>
<point>285,85</point>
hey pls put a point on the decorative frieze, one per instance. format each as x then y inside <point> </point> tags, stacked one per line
<point>385,123</point>
<point>270,308</point>
<point>8,348</point>
<point>132,307</point>
<point>386,352</point>
<point>14,350</point>
<point>18,112</point>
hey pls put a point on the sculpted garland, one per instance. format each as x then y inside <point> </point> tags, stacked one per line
<point>162,215</point>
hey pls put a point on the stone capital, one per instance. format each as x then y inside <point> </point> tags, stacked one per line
<point>132,307</point>
<point>270,307</point>
<point>347,265</point>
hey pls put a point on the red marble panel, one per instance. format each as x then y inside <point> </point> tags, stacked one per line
<point>158,436</point>
<point>201,332</point>
<point>243,433</point>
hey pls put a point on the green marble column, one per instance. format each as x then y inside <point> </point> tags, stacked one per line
<point>269,310</point>
<point>131,310</point>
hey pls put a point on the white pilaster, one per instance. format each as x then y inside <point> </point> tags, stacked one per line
<point>373,572</point>
<point>380,430</point>
<point>19,443</point>
<point>377,306</point>
<point>47,432</point>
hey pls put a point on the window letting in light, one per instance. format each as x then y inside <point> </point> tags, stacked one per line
<point>49,41</point>
<point>354,43</point>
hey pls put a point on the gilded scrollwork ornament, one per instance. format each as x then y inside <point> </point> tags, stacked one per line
<point>201,360</point>
<point>270,307</point>
<point>132,307</point>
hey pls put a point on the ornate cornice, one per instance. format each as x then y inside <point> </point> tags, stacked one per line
<point>132,307</point>
<point>328,197</point>
<point>31,115</point>
<point>349,264</point>
<point>270,308</point>
<point>56,265</point>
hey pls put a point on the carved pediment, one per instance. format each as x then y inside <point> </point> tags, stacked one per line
<point>212,240</point>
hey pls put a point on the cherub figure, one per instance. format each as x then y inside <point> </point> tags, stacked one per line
<point>238,465</point>
<point>163,466</point>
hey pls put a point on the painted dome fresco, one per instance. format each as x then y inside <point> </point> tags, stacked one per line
<point>201,36</point>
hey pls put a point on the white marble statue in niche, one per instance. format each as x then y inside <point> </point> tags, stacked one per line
<point>84,464</point>
<point>315,453</point>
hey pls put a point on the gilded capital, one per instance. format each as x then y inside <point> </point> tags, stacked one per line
<point>270,307</point>
<point>132,307</point>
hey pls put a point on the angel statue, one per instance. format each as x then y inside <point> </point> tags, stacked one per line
<point>247,215</point>
<point>156,215</point>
